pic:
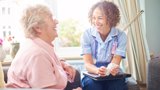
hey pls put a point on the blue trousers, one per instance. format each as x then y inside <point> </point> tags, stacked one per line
<point>90,84</point>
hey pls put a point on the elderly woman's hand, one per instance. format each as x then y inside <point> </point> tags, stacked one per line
<point>70,71</point>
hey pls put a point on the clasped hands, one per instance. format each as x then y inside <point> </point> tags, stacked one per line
<point>70,71</point>
<point>112,69</point>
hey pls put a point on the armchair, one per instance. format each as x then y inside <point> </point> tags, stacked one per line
<point>153,74</point>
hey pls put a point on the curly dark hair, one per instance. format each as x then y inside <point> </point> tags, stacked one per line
<point>110,10</point>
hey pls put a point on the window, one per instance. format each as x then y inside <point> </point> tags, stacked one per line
<point>71,14</point>
<point>73,20</point>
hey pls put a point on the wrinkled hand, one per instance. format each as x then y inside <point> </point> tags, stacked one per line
<point>70,71</point>
<point>113,69</point>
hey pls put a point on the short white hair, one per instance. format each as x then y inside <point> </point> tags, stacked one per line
<point>33,16</point>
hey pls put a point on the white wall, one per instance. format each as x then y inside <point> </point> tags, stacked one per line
<point>152,12</point>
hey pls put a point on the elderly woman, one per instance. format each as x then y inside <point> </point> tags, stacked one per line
<point>36,65</point>
<point>103,47</point>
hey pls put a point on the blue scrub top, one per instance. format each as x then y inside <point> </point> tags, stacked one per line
<point>102,52</point>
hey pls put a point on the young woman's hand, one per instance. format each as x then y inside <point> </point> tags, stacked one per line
<point>101,71</point>
<point>113,68</point>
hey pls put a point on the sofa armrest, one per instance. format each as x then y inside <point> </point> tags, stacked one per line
<point>153,74</point>
<point>5,70</point>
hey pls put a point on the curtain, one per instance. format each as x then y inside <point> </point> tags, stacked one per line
<point>137,48</point>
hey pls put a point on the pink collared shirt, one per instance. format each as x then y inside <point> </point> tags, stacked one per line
<point>36,66</point>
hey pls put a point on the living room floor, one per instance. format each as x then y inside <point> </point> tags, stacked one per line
<point>143,87</point>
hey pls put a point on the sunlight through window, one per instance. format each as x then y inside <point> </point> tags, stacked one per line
<point>71,14</point>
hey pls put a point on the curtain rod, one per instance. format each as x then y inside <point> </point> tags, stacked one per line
<point>133,20</point>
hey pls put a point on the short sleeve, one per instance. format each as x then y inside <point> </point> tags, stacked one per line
<point>122,42</point>
<point>85,43</point>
